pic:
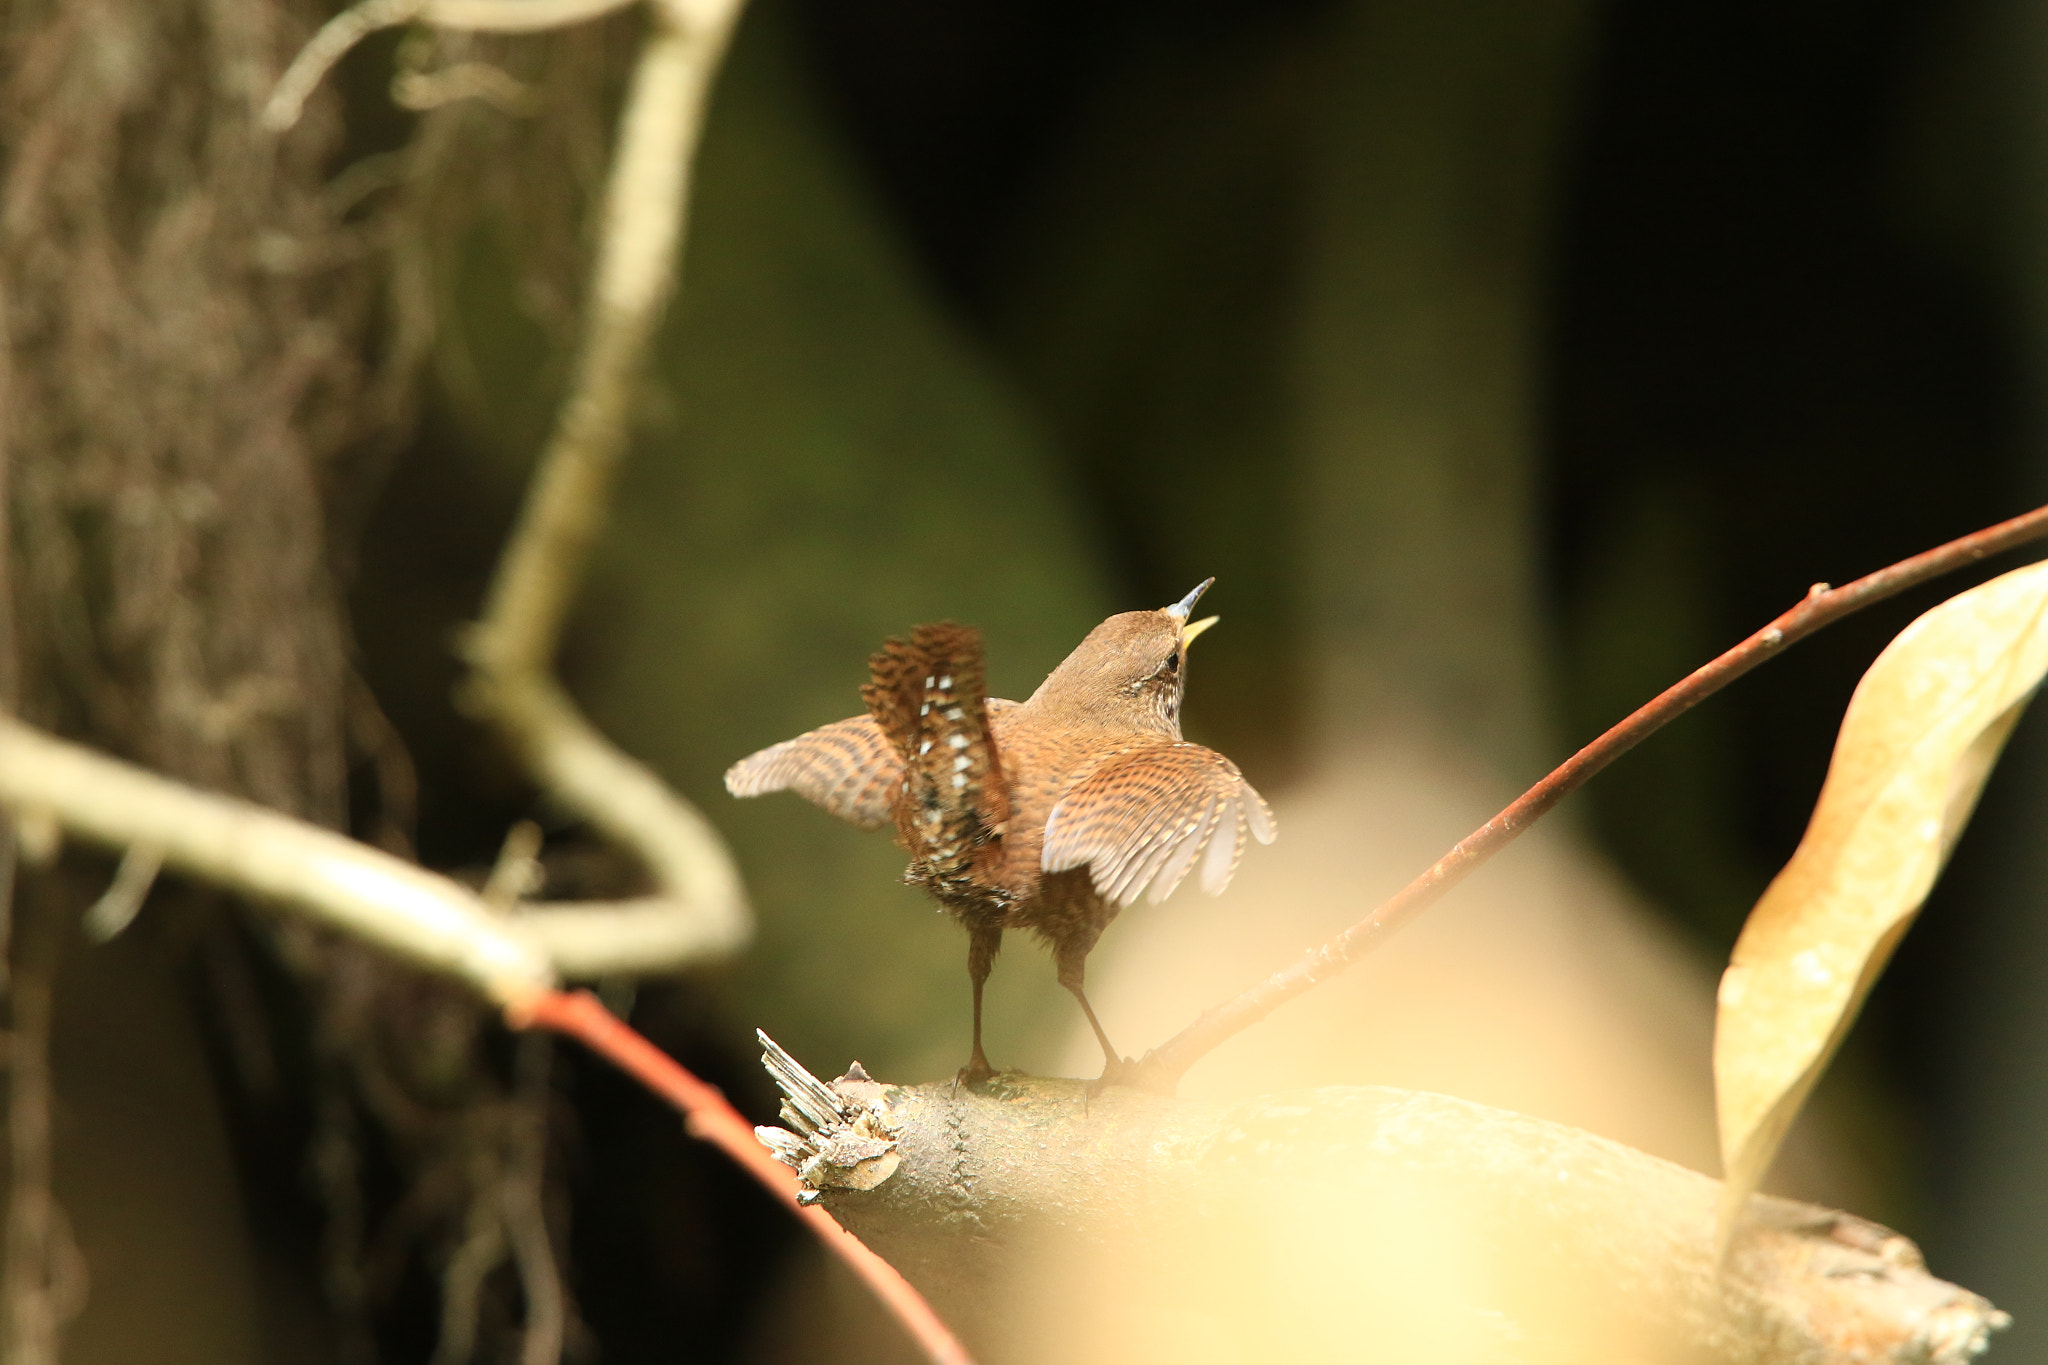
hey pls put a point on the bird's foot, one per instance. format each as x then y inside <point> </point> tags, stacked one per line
<point>1143,1074</point>
<point>976,1072</point>
<point>1117,1071</point>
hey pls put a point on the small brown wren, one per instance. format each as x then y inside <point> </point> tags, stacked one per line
<point>1050,814</point>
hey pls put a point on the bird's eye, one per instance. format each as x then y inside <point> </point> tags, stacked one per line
<point>1166,671</point>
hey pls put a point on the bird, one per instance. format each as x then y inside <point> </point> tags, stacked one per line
<point>1051,814</point>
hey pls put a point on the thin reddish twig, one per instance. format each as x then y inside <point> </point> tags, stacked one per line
<point>1164,1066</point>
<point>581,1016</point>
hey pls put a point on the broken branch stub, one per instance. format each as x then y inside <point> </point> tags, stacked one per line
<point>839,1137</point>
<point>1337,1223</point>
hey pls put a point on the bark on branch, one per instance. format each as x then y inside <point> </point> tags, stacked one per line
<point>1417,1225</point>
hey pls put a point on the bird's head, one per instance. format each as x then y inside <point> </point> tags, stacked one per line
<point>1131,668</point>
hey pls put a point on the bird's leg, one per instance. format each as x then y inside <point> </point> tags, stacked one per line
<point>1070,960</point>
<point>983,942</point>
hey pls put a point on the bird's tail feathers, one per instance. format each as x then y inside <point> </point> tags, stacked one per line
<point>928,693</point>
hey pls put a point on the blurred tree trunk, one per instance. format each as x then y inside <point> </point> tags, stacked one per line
<point>1440,145</point>
<point>184,324</point>
<point>1296,344</point>
<point>183,317</point>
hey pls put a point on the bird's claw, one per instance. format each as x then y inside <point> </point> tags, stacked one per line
<point>1118,1071</point>
<point>976,1072</point>
<point>1144,1073</point>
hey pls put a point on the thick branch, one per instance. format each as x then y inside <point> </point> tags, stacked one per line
<point>645,208</point>
<point>1382,1215</point>
<point>1163,1067</point>
<point>428,919</point>
<point>701,910</point>
<point>272,858</point>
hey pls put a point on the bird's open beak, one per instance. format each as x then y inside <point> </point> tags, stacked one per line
<point>1181,610</point>
<point>1192,629</point>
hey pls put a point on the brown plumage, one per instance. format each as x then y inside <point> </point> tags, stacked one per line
<point>1051,814</point>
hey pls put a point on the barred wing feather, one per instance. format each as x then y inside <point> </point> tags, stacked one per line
<point>1142,818</point>
<point>847,767</point>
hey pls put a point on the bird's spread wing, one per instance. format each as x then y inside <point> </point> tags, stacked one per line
<point>847,767</point>
<point>1142,817</point>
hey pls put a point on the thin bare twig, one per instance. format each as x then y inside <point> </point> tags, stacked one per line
<point>462,1283</point>
<point>420,91</point>
<point>711,1117</point>
<point>358,22</point>
<point>517,874</point>
<point>701,909</point>
<point>118,905</point>
<point>1163,1067</point>
<point>523,1209</point>
<point>41,1271</point>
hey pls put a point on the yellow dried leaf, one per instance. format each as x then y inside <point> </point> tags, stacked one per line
<point>1920,736</point>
